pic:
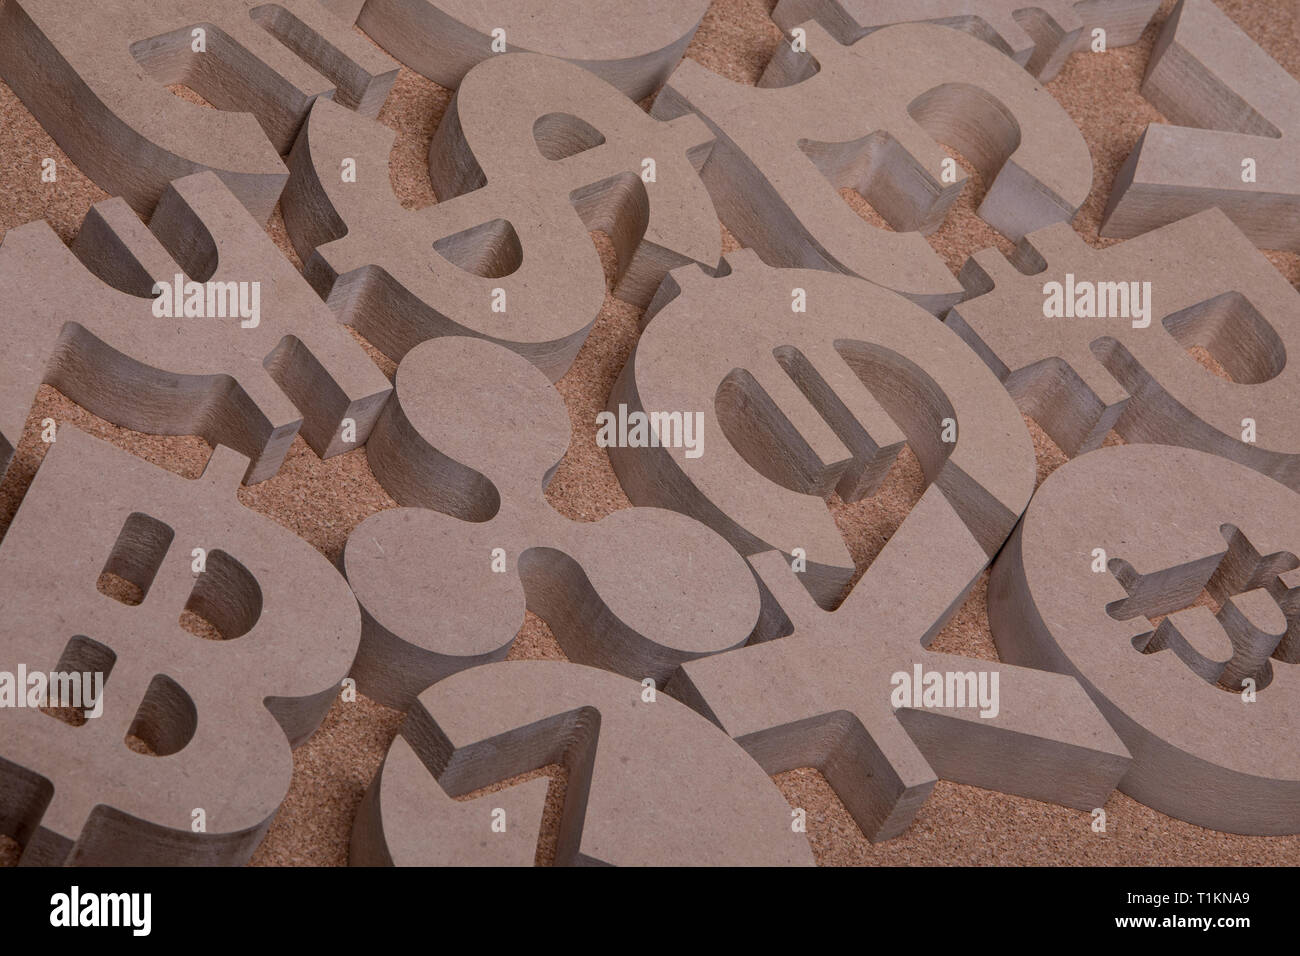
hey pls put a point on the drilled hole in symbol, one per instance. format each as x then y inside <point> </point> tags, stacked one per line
<point>491,249</point>
<point>165,721</point>
<point>226,600</point>
<point>134,561</point>
<point>561,135</point>
<point>80,674</point>
<point>1229,336</point>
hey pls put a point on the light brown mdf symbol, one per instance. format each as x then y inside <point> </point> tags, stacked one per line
<point>1231,139</point>
<point>867,117</point>
<point>1202,690</point>
<point>628,45</point>
<point>95,75</point>
<point>470,441</point>
<point>649,782</point>
<point>532,154</point>
<point>1079,377</point>
<point>797,405</point>
<point>1040,35</point>
<point>821,694</point>
<point>219,715</point>
<point>83,321</point>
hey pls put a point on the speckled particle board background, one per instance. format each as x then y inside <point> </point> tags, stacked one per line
<point>323,500</point>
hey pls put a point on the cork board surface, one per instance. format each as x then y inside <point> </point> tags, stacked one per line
<point>322,501</point>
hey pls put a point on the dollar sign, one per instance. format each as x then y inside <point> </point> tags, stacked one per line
<point>532,154</point>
